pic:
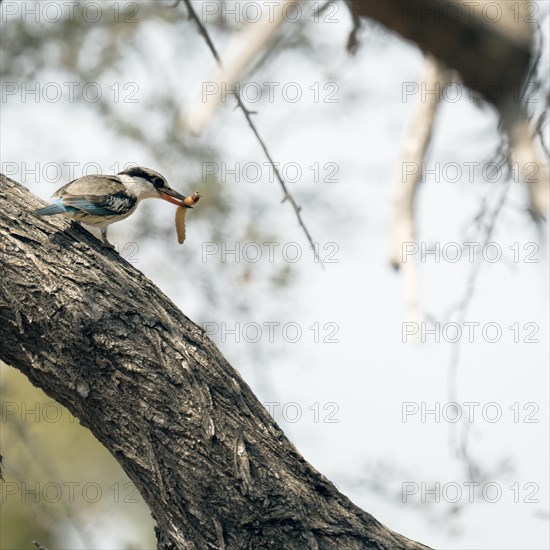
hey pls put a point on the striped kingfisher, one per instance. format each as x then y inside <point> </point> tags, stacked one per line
<point>100,200</point>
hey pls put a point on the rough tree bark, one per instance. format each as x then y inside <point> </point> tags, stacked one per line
<point>212,465</point>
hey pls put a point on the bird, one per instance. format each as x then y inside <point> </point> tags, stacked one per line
<point>100,200</point>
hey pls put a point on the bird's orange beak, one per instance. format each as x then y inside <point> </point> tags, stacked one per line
<point>171,196</point>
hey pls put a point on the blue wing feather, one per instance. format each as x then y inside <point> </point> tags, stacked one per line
<point>56,208</point>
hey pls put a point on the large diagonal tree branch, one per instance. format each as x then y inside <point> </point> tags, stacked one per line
<point>97,336</point>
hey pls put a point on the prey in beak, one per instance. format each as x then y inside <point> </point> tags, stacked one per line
<point>188,202</point>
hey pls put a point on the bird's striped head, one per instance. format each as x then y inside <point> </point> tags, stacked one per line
<point>146,183</point>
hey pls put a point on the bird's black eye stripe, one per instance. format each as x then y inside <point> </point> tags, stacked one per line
<point>140,172</point>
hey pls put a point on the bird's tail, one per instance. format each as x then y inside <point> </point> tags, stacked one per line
<point>50,210</point>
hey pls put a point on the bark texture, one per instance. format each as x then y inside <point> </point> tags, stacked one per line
<point>97,336</point>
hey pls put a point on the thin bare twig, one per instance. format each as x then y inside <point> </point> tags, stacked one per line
<point>462,307</point>
<point>248,116</point>
<point>486,221</point>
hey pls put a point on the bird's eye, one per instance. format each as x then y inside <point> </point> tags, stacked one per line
<point>157,182</point>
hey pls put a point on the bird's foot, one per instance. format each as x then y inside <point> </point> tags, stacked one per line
<point>107,244</point>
